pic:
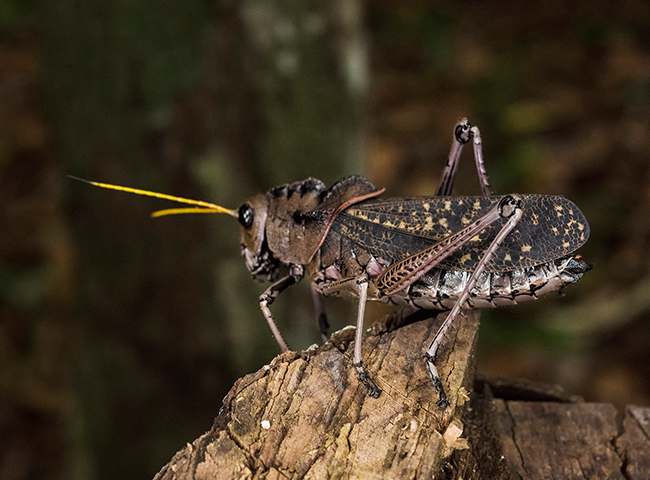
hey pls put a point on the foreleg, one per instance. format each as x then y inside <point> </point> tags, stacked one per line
<point>296,272</point>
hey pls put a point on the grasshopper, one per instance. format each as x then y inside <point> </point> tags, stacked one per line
<point>440,252</point>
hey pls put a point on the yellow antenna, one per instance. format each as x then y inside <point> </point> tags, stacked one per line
<point>207,207</point>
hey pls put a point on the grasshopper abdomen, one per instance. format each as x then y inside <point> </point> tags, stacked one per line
<point>440,289</point>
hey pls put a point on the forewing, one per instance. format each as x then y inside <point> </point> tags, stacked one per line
<point>551,227</point>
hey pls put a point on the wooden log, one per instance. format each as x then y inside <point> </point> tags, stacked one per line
<point>544,440</point>
<point>633,444</point>
<point>306,415</point>
<point>550,434</point>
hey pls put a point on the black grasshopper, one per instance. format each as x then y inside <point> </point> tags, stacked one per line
<point>437,252</point>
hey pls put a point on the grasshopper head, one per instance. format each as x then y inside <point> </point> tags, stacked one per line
<point>256,253</point>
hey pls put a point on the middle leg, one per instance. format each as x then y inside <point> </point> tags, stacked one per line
<point>321,316</point>
<point>360,284</point>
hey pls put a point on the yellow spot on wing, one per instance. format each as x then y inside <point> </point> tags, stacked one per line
<point>526,248</point>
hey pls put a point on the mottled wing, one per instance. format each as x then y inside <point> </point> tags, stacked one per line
<point>551,227</point>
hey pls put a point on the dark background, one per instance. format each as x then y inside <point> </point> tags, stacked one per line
<point>120,334</point>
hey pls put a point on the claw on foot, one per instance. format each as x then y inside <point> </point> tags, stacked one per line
<point>442,402</point>
<point>373,390</point>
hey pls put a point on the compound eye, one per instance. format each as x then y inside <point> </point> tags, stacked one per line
<point>246,215</point>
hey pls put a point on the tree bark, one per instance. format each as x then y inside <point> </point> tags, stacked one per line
<point>306,415</point>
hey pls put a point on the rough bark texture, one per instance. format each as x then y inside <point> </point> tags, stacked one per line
<point>306,415</point>
<point>633,444</point>
<point>559,440</point>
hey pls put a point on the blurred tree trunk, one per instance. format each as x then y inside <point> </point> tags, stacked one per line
<point>168,96</point>
<point>285,83</point>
